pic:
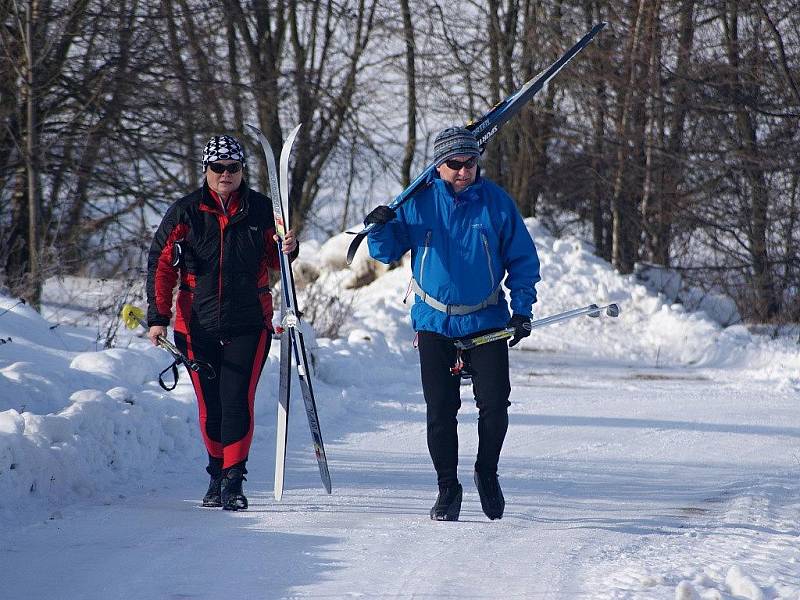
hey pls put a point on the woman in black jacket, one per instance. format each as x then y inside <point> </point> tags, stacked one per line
<point>219,244</point>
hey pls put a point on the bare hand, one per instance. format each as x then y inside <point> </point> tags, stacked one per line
<point>155,331</point>
<point>289,242</point>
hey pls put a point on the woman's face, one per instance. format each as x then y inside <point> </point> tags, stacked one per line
<point>226,182</point>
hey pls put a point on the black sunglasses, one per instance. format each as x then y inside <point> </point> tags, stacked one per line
<point>220,168</point>
<point>457,165</point>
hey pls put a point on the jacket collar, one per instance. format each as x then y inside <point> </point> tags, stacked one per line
<point>209,203</point>
<point>465,194</point>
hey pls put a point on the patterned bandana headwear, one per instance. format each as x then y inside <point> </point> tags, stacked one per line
<point>223,147</point>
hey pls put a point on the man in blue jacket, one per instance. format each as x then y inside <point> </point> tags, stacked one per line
<point>465,234</point>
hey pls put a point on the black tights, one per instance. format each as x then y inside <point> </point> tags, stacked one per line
<point>226,403</point>
<point>490,383</point>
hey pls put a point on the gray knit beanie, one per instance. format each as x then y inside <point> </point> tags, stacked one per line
<point>454,141</point>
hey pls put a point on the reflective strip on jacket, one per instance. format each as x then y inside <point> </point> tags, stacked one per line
<point>461,248</point>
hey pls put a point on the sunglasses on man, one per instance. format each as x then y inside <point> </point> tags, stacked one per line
<point>457,165</point>
<point>219,168</point>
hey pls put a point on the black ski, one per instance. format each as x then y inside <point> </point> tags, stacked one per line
<point>488,125</point>
<point>291,319</point>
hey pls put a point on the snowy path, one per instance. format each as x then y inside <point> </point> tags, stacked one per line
<point>621,482</point>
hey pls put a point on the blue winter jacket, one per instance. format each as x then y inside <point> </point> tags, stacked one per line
<point>461,248</point>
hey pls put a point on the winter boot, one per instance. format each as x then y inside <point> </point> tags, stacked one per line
<point>213,498</point>
<point>231,493</point>
<point>448,502</point>
<point>492,501</point>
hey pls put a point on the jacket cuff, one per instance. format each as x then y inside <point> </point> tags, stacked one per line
<point>293,254</point>
<point>158,321</point>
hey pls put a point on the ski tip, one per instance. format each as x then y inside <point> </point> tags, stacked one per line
<point>351,251</point>
<point>595,310</point>
<point>292,134</point>
<point>612,310</point>
<point>255,129</point>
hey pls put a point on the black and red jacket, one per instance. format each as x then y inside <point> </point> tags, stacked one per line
<point>222,259</point>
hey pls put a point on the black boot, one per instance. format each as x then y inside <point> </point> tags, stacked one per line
<point>492,501</point>
<point>448,502</point>
<point>213,498</point>
<point>231,493</point>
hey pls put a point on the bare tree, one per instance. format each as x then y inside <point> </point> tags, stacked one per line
<point>658,221</point>
<point>673,139</point>
<point>411,93</point>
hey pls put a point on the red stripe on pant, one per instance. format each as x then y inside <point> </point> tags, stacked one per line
<point>238,451</point>
<point>226,403</point>
<point>213,447</point>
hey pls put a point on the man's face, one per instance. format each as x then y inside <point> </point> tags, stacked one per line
<point>459,171</point>
<point>226,182</point>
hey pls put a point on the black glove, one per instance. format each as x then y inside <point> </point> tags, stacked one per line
<point>380,215</point>
<point>522,328</point>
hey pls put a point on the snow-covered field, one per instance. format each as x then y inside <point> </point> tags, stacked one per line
<point>652,456</point>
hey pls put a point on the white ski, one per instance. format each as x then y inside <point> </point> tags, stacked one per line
<point>286,338</point>
<point>292,338</point>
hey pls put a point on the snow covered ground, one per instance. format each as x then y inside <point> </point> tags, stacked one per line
<point>653,456</point>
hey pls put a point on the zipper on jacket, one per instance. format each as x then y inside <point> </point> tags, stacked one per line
<point>488,258</point>
<point>425,255</point>
<point>219,279</point>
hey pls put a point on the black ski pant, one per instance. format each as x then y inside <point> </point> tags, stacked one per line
<point>226,402</point>
<point>488,364</point>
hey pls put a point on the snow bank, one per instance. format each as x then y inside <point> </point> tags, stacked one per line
<point>651,328</point>
<point>73,424</point>
<point>333,257</point>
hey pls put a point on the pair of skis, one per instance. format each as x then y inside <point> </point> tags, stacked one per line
<point>292,337</point>
<point>487,126</point>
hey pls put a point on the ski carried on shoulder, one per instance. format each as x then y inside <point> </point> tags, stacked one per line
<point>487,126</point>
<point>292,342</point>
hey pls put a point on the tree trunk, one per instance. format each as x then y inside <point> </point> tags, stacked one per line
<point>653,126</point>
<point>539,128</point>
<point>674,160</point>
<point>600,206</point>
<point>31,148</point>
<point>630,130</point>
<point>190,152</point>
<point>411,95</point>
<point>767,303</point>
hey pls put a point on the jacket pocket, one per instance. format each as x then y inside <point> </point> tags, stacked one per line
<point>488,254</point>
<point>423,260</point>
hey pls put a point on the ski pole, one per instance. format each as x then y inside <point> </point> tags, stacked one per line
<point>592,310</point>
<point>21,301</point>
<point>133,316</point>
